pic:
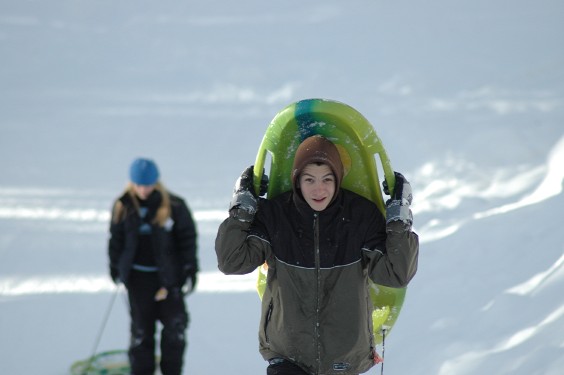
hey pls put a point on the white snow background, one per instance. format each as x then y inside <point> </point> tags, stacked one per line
<point>467,96</point>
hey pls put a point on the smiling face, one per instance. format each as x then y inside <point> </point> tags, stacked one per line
<point>317,184</point>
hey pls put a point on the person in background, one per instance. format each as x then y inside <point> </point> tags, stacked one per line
<point>321,244</point>
<point>152,251</point>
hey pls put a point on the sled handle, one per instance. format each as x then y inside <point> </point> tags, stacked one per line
<point>258,169</point>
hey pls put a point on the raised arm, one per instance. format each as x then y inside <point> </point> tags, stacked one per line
<point>237,251</point>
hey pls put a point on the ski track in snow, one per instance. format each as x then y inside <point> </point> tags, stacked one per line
<point>448,194</point>
<point>208,282</point>
<point>34,211</point>
<point>467,363</point>
<point>92,215</point>
<point>536,283</point>
<point>549,187</point>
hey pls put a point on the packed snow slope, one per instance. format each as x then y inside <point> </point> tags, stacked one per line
<point>467,96</point>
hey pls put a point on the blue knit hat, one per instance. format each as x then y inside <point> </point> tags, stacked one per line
<point>143,172</point>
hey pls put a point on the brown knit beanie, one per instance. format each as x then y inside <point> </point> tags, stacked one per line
<point>317,149</point>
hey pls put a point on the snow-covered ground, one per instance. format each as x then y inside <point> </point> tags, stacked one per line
<point>467,96</point>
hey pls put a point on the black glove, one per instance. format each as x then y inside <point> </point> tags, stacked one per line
<point>263,184</point>
<point>189,281</point>
<point>398,207</point>
<point>243,205</point>
<point>114,273</point>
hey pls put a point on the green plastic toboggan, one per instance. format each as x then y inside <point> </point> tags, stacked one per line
<point>360,149</point>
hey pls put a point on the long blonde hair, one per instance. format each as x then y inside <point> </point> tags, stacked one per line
<point>163,212</point>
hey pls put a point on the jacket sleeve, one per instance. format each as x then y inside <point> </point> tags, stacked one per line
<point>392,261</point>
<point>185,235</point>
<point>238,252</point>
<point>116,241</point>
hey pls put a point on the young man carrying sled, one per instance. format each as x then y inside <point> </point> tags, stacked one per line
<point>321,244</point>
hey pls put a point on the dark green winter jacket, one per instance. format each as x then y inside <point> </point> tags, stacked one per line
<point>316,310</point>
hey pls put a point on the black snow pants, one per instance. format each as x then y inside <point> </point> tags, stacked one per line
<point>145,312</point>
<point>279,366</point>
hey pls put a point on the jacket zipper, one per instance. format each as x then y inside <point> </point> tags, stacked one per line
<point>267,321</point>
<point>318,286</point>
